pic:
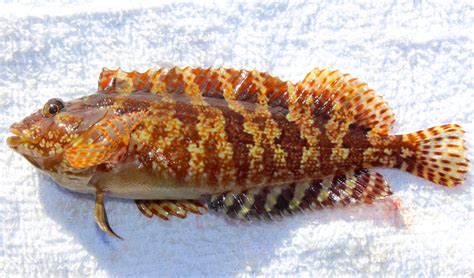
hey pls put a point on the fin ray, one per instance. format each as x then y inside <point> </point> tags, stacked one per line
<point>329,91</point>
<point>167,208</point>
<point>436,154</point>
<point>99,144</point>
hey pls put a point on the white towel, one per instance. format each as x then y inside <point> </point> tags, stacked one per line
<point>417,55</point>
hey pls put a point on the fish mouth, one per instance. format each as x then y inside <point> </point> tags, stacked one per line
<point>19,143</point>
<point>17,139</point>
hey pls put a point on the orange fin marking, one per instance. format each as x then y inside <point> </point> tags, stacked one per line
<point>436,154</point>
<point>362,186</point>
<point>83,156</point>
<point>102,141</point>
<point>328,91</point>
<point>166,208</point>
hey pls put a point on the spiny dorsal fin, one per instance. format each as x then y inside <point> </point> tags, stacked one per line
<point>119,81</point>
<point>328,91</point>
<point>362,186</point>
<point>166,208</point>
<point>231,84</point>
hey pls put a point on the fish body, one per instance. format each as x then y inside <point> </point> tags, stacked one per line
<point>243,141</point>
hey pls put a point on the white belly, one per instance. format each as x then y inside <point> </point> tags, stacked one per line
<point>131,184</point>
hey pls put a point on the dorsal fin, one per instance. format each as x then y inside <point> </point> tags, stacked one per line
<point>362,186</point>
<point>242,85</point>
<point>322,91</point>
<point>328,91</point>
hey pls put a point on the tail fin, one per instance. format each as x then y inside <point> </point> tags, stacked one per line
<point>437,154</point>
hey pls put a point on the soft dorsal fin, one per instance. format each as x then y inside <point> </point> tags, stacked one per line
<point>328,91</point>
<point>362,186</point>
<point>322,91</point>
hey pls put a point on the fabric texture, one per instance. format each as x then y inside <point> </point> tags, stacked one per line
<point>416,54</point>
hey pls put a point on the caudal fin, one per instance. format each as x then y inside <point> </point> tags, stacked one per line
<point>436,154</point>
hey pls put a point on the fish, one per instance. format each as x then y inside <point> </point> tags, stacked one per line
<point>241,142</point>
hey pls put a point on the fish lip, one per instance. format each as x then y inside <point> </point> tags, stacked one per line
<point>14,141</point>
<point>15,131</point>
<point>17,138</point>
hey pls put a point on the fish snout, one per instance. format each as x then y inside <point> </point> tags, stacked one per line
<point>17,138</point>
<point>20,136</point>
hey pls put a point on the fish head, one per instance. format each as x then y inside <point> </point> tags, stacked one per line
<point>43,136</point>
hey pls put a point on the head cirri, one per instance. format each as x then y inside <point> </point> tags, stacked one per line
<point>43,136</point>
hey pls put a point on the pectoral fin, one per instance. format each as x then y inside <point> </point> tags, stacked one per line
<point>102,141</point>
<point>101,216</point>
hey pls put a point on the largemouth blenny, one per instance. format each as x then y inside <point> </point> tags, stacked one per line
<point>241,142</point>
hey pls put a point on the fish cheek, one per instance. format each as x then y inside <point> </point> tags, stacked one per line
<point>79,122</point>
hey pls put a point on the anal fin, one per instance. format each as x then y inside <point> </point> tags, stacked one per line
<point>167,208</point>
<point>361,186</point>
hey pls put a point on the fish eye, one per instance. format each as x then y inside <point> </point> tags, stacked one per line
<point>52,107</point>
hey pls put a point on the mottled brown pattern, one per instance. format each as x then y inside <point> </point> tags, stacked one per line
<point>293,146</point>
<point>240,141</point>
<point>278,132</point>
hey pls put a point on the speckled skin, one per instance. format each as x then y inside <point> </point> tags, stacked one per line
<point>186,133</point>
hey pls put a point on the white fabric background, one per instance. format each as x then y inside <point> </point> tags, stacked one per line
<point>417,54</point>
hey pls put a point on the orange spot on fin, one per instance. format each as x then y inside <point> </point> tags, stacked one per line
<point>83,156</point>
